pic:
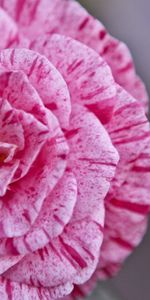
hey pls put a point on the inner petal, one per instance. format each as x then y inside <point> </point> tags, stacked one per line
<point>7,172</point>
<point>22,204</point>
<point>11,130</point>
<point>35,134</point>
<point>43,76</point>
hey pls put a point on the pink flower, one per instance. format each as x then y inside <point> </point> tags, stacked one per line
<point>74,151</point>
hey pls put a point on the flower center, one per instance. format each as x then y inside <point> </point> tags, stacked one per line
<point>7,152</point>
<point>3,156</point>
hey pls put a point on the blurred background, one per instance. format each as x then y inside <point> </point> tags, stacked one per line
<point>129,21</point>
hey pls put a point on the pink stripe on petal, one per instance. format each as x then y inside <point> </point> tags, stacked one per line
<point>133,207</point>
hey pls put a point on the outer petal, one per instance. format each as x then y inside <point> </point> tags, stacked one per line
<point>129,132</point>
<point>13,290</point>
<point>84,290</point>
<point>89,79</point>
<point>8,30</point>
<point>69,18</point>
<point>127,204</point>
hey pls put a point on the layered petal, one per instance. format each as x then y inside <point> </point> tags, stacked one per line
<point>7,173</point>
<point>69,18</point>
<point>22,292</point>
<point>56,212</point>
<point>43,76</point>
<point>88,77</point>
<point>74,255</point>
<point>12,139</point>
<point>11,129</point>
<point>127,204</point>
<point>73,146</point>
<point>129,132</point>
<point>21,94</point>
<point>93,160</point>
<point>35,135</point>
<point>8,261</point>
<point>8,30</point>
<point>11,61</point>
<point>25,197</point>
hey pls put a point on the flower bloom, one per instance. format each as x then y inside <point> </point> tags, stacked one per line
<point>74,151</point>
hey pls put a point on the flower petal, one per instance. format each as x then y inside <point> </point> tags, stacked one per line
<point>7,262</point>
<point>16,290</point>
<point>26,133</point>
<point>7,173</point>
<point>129,132</point>
<point>43,76</point>
<point>8,30</point>
<point>12,134</point>
<point>127,204</point>
<point>93,160</point>
<point>71,19</point>
<point>74,255</point>
<point>88,77</point>
<point>21,205</point>
<point>21,94</point>
<point>55,214</point>
<point>35,134</point>
<point>11,130</point>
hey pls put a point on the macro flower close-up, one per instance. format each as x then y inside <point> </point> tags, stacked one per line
<point>74,151</point>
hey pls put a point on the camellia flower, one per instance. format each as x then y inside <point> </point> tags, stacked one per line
<point>74,151</point>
